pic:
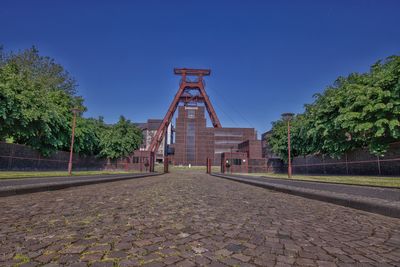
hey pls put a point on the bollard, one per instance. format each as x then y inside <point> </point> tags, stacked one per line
<point>166,165</point>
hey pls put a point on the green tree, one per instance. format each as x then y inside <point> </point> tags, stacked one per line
<point>36,97</point>
<point>279,137</point>
<point>120,140</point>
<point>87,135</point>
<point>358,111</point>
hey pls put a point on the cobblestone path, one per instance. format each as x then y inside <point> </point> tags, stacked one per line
<point>189,219</point>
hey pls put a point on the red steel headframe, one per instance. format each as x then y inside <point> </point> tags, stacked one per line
<point>185,84</point>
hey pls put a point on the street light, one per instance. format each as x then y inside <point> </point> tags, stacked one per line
<point>287,117</point>
<point>231,159</point>
<point>74,111</point>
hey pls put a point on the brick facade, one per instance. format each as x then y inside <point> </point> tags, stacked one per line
<point>194,141</point>
<point>252,148</point>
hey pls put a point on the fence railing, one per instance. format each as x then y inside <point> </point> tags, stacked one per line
<point>378,166</point>
<point>15,157</point>
<point>357,162</point>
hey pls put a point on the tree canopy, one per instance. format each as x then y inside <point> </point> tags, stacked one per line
<point>357,111</point>
<point>120,139</point>
<point>36,98</point>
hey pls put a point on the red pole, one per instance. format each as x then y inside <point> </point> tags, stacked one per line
<point>289,158</point>
<point>72,142</point>
<point>231,165</point>
<point>223,164</point>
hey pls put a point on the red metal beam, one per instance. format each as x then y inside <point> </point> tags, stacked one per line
<point>199,85</point>
<point>157,139</point>
<point>192,72</point>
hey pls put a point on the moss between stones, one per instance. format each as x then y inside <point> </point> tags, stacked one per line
<point>22,258</point>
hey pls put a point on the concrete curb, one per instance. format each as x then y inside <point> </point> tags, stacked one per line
<point>373,205</point>
<point>33,188</point>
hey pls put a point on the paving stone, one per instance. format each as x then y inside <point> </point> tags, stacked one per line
<point>217,264</point>
<point>102,264</point>
<point>129,263</point>
<point>189,219</point>
<point>200,260</point>
<point>96,256</point>
<point>305,262</point>
<point>241,257</point>
<point>154,264</point>
<point>29,264</point>
<point>102,247</point>
<point>230,262</point>
<point>123,246</point>
<point>46,258</point>
<point>78,264</point>
<point>73,249</point>
<point>117,254</point>
<point>235,247</point>
<point>326,264</point>
<point>172,259</point>
<point>286,259</point>
<point>185,263</point>
<point>142,243</point>
<point>199,250</point>
<point>53,264</point>
<point>223,252</point>
<point>69,258</point>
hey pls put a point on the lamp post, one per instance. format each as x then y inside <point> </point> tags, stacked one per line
<point>74,111</point>
<point>231,159</point>
<point>287,117</point>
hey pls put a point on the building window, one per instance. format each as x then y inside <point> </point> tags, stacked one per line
<point>236,161</point>
<point>228,134</point>
<point>191,113</point>
<point>221,150</point>
<point>190,142</point>
<point>227,142</point>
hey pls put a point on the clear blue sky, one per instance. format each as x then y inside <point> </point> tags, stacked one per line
<point>267,57</point>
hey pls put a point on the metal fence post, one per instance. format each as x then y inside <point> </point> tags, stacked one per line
<point>10,159</point>
<point>307,164</point>
<point>166,164</point>
<point>379,166</point>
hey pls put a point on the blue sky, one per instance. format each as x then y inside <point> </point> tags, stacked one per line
<point>267,57</point>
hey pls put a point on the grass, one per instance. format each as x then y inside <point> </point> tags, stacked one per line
<point>21,258</point>
<point>37,174</point>
<point>160,168</point>
<point>195,168</point>
<point>356,180</point>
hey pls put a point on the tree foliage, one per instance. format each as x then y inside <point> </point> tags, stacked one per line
<point>36,99</point>
<point>88,132</point>
<point>120,139</point>
<point>358,111</point>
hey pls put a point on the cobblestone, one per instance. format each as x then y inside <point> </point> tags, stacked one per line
<point>189,219</point>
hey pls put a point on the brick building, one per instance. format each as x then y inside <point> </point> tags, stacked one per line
<point>195,142</point>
